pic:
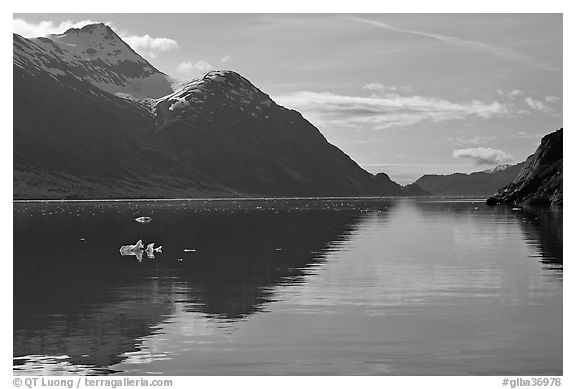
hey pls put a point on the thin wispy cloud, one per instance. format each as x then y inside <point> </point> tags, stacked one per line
<point>381,88</point>
<point>537,105</point>
<point>552,99</point>
<point>484,155</point>
<point>386,111</point>
<point>503,52</point>
<point>511,94</point>
<point>476,140</point>
<point>226,58</point>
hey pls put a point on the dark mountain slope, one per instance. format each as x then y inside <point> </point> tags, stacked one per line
<point>230,130</point>
<point>541,180</point>
<point>415,190</point>
<point>73,140</point>
<point>217,136</point>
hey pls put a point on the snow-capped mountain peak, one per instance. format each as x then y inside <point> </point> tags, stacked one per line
<point>223,86</point>
<point>90,43</point>
<point>97,54</point>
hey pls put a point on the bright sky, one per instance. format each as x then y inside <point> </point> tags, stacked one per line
<point>406,94</point>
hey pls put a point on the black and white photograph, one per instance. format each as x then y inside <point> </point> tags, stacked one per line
<point>287,194</point>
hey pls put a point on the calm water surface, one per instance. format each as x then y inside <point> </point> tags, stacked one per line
<point>321,287</point>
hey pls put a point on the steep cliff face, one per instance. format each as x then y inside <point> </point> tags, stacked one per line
<point>540,180</point>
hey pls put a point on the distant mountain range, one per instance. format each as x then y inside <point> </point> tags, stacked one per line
<point>483,183</point>
<point>93,119</point>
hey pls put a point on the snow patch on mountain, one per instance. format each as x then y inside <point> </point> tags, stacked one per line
<point>497,168</point>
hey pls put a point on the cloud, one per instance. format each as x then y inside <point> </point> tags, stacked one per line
<point>510,94</point>
<point>226,58</point>
<point>386,111</point>
<point>552,99</point>
<point>484,155</point>
<point>498,51</point>
<point>194,68</point>
<point>537,105</point>
<point>379,87</point>
<point>46,27</point>
<point>149,46</point>
<point>477,140</point>
<point>145,45</point>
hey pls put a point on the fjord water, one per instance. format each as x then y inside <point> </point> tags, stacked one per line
<point>259,287</point>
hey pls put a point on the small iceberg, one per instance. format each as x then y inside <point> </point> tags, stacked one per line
<point>143,219</point>
<point>133,249</point>
<point>150,250</point>
<point>138,249</point>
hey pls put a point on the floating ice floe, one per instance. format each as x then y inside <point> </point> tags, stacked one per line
<point>133,249</point>
<point>137,250</point>
<point>150,250</point>
<point>143,219</point>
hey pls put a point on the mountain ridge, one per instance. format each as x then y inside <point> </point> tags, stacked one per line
<point>481,183</point>
<point>219,136</point>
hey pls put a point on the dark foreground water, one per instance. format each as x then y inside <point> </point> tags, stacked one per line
<point>390,287</point>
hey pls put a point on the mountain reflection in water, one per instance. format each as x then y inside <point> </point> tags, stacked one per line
<point>75,296</point>
<point>287,287</point>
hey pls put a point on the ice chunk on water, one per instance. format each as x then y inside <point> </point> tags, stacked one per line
<point>133,249</point>
<point>137,250</point>
<point>129,250</point>
<point>150,251</point>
